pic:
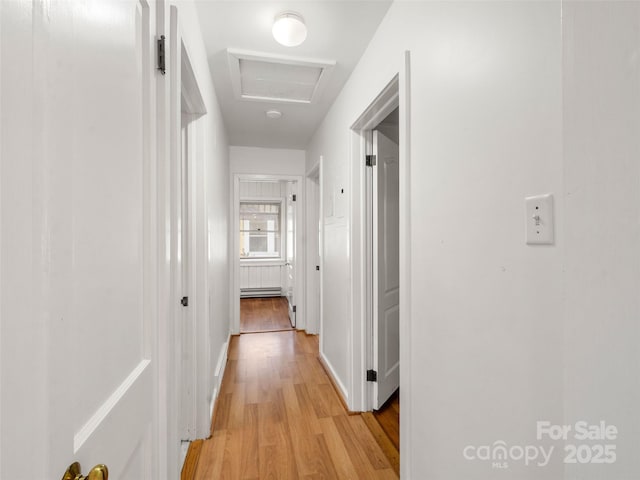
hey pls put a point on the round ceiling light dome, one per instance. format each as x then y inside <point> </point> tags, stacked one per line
<point>289,29</point>
<point>274,114</point>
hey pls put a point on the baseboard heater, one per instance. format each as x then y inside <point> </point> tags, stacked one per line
<point>260,292</point>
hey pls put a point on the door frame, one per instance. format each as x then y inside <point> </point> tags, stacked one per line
<point>195,328</point>
<point>313,224</point>
<point>360,391</point>
<point>235,239</point>
<point>387,101</point>
<point>178,83</point>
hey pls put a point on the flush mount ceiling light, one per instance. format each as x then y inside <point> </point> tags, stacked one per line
<point>289,29</point>
<point>275,114</point>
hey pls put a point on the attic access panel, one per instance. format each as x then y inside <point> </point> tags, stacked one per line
<point>273,78</point>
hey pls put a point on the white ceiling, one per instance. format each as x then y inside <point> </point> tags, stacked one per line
<point>338,30</point>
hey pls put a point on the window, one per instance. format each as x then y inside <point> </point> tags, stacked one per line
<point>260,224</point>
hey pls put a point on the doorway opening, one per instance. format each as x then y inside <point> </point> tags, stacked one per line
<point>378,130</point>
<point>381,163</point>
<point>383,247</point>
<point>268,266</point>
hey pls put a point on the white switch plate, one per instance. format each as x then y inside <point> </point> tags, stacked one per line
<point>539,219</point>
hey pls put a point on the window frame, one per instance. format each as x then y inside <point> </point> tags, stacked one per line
<point>280,260</point>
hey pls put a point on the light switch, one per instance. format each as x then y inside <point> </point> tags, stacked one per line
<point>539,219</point>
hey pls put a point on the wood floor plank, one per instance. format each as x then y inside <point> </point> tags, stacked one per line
<point>231,461</point>
<point>387,446</point>
<point>211,455</point>
<point>325,467</point>
<point>291,400</point>
<point>354,449</point>
<point>389,418</point>
<point>341,460</point>
<point>277,460</point>
<point>236,410</point>
<point>321,405</point>
<point>386,474</point>
<point>306,408</point>
<point>267,423</point>
<point>252,392</point>
<point>369,445</point>
<point>303,448</point>
<point>250,466</point>
<point>221,419</point>
<point>287,464</point>
<point>191,461</point>
<point>264,315</point>
<point>330,397</point>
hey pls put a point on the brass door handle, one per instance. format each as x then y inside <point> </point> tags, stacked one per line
<point>74,472</point>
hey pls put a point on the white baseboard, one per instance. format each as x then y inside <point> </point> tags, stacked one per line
<point>335,378</point>
<point>218,376</point>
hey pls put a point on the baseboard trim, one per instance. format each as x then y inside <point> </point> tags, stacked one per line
<point>337,384</point>
<point>221,366</point>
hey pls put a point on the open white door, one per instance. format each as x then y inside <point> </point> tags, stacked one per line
<point>78,239</point>
<point>386,261</point>
<point>291,251</point>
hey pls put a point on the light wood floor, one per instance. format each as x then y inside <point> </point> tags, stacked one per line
<point>279,417</point>
<point>389,418</point>
<point>264,314</point>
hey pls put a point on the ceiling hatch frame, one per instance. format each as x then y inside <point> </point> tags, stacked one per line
<point>239,60</point>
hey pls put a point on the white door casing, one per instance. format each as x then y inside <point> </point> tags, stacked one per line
<point>85,250</point>
<point>188,327</point>
<point>386,255</point>
<point>186,320</point>
<point>170,97</point>
<point>299,270</point>
<point>312,250</point>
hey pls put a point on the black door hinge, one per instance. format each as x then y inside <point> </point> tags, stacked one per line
<point>370,160</point>
<point>372,376</point>
<point>318,267</point>
<point>184,301</point>
<point>162,64</point>
<point>294,197</point>
<point>294,309</point>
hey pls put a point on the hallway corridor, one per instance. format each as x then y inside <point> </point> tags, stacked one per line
<point>279,417</point>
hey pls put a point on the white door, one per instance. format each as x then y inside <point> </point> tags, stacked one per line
<point>386,261</point>
<point>291,251</point>
<point>77,234</point>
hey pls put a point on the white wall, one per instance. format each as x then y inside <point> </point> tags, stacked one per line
<point>601,187</point>
<point>508,99</point>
